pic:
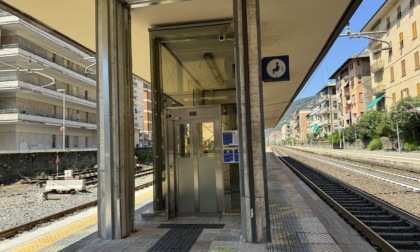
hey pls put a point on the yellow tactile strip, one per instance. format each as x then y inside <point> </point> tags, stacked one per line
<point>58,234</point>
<point>71,229</point>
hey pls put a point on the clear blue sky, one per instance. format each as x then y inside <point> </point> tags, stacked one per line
<point>342,49</point>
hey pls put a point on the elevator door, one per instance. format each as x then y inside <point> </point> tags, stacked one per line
<point>196,145</point>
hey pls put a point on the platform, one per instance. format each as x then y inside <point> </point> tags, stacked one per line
<point>300,221</point>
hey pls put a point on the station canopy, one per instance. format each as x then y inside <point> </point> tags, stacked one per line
<point>303,30</point>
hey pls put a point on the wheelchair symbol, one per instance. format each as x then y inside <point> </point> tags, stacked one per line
<point>276,68</point>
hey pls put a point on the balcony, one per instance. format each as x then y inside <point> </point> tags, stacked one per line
<point>347,91</point>
<point>15,41</point>
<point>377,65</point>
<point>379,89</point>
<point>325,122</point>
<point>16,115</point>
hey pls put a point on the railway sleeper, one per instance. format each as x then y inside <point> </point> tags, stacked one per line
<point>376,217</point>
<point>405,246</point>
<point>351,201</point>
<point>359,205</point>
<point>385,223</point>
<point>364,209</point>
<point>364,213</point>
<point>402,229</point>
<point>400,236</point>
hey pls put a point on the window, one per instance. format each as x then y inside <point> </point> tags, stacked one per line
<point>399,12</point>
<point>53,138</point>
<point>75,141</point>
<point>358,62</point>
<point>388,23</point>
<point>412,3</point>
<point>360,96</point>
<point>414,30</point>
<point>394,99</point>
<point>401,39</point>
<point>335,116</point>
<point>359,78</point>
<point>418,88</point>
<point>391,71</point>
<point>405,93</point>
<point>416,61</point>
<point>403,73</point>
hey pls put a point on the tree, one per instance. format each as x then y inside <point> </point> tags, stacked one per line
<point>408,118</point>
<point>349,133</point>
<point>372,125</point>
<point>334,138</point>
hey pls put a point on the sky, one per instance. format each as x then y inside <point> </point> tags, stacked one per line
<point>342,49</point>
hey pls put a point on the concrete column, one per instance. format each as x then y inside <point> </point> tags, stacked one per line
<point>254,198</point>
<point>115,120</point>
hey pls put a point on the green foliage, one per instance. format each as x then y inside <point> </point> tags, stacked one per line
<point>349,133</point>
<point>42,175</point>
<point>145,155</point>
<point>375,144</point>
<point>410,146</point>
<point>372,125</point>
<point>408,118</point>
<point>334,138</point>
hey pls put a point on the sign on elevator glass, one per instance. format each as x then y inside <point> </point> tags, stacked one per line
<point>230,138</point>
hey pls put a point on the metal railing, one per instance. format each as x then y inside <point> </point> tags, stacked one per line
<point>22,43</point>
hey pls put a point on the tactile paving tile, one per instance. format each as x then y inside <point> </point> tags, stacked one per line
<point>312,225</point>
<point>316,238</point>
<point>325,248</point>
<point>293,224</point>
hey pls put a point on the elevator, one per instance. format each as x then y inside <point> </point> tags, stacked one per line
<point>194,160</point>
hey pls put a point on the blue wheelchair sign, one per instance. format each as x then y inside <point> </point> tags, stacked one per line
<point>276,68</point>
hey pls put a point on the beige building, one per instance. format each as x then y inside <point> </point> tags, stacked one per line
<point>352,81</point>
<point>299,123</point>
<point>395,61</point>
<point>323,117</point>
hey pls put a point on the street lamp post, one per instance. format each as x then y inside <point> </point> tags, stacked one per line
<point>398,136</point>
<point>63,129</point>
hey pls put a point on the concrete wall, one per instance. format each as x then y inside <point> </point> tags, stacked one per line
<point>15,165</point>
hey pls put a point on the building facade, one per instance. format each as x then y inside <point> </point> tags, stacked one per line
<point>42,80</point>
<point>323,118</point>
<point>47,90</point>
<point>142,112</point>
<point>354,92</point>
<point>395,62</point>
<point>300,124</point>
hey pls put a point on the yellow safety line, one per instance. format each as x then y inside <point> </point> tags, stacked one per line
<point>64,232</point>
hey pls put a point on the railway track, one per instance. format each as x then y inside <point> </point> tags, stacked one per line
<point>28,226</point>
<point>386,226</point>
<point>407,182</point>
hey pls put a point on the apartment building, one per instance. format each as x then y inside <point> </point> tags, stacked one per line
<point>354,90</point>
<point>42,78</point>
<point>395,62</point>
<point>142,103</point>
<point>323,117</point>
<point>47,89</point>
<point>299,123</point>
